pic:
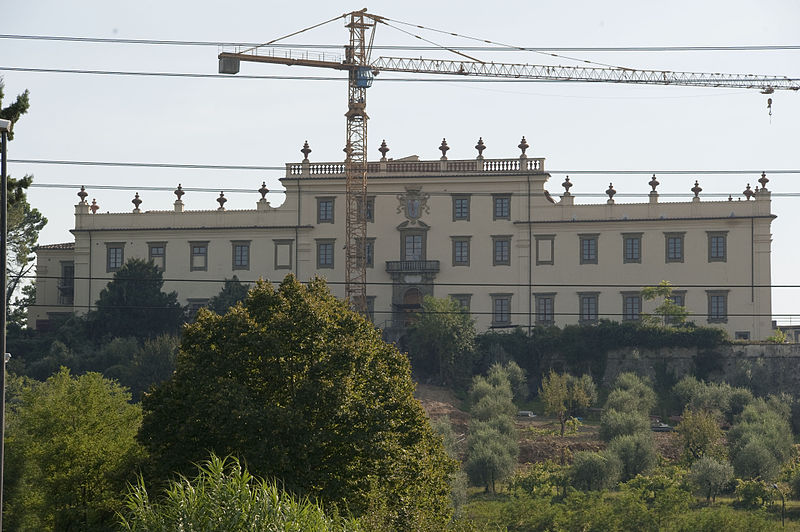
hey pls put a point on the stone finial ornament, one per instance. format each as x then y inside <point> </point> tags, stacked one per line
<point>567,185</point>
<point>305,151</point>
<point>747,192</point>
<point>523,145</point>
<point>179,192</point>
<point>653,183</point>
<point>763,180</point>
<point>611,192</point>
<point>221,200</point>
<point>696,189</point>
<point>136,202</point>
<point>444,147</point>
<point>480,146</point>
<point>263,190</point>
<point>384,149</point>
<point>730,197</point>
<point>94,206</point>
<point>82,194</point>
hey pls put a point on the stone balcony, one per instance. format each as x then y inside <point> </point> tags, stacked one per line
<point>412,266</point>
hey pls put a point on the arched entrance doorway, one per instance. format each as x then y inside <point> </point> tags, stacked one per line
<point>412,303</point>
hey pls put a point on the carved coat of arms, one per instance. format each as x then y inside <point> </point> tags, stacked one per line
<point>413,203</point>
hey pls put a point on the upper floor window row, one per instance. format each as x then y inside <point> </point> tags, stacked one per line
<point>198,255</point>
<point>589,247</point>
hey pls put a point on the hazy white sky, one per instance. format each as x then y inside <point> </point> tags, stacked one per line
<point>264,122</point>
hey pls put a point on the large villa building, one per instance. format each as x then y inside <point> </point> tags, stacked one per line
<point>485,232</point>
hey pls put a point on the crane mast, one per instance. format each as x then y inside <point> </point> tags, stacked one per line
<point>359,79</point>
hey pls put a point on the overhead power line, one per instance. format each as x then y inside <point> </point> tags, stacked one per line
<point>435,283</point>
<point>170,42</point>
<point>384,79</point>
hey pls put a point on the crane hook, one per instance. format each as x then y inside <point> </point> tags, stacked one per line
<point>769,107</point>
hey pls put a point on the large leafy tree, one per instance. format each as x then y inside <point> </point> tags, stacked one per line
<point>133,304</point>
<point>442,339</point>
<point>71,447</point>
<point>303,390</point>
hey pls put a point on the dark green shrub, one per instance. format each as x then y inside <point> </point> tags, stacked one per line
<point>594,471</point>
<point>636,452</point>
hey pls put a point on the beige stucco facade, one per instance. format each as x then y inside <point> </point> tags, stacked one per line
<point>482,230</point>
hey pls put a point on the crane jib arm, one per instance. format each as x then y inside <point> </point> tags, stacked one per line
<point>586,74</point>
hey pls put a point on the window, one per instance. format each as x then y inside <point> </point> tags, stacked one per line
<point>588,248</point>
<point>717,246</point>
<point>545,249</point>
<point>325,210</point>
<point>370,214</point>
<point>463,300</point>
<point>501,309</point>
<point>157,253</point>
<point>195,304</point>
<point>283,254</point>
<point>66,283</point>
<point>369,252</point>
<point>717,306</point>
<point>631,248</point>
<point>371,308</point>
<point>461,207</point>
<point>325,253</point>
<point>199,256</point>
<point>501,255</point>
<point>678,298</point>
<point>502,207</point>
<point>631,306</point>
<point>115,256</point>
<point>674,247</point>
<point>412,245</point>
<point>241,255</point>
<point>545,303</point>
<point>588,307</point>
<point>460,250</point>
<point>742,335</point>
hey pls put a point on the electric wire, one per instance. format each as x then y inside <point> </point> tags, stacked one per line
<point>433,283</point>
<point>465,79</point>
<point>217,44</point>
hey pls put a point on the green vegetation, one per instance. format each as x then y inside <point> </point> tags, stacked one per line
<point>70,450</point>
<point>492,442</point>
<point>133,305</point>
<point>564,395</point>
<point>304,390</point>
<point>441,341</point>
<point>667,313</point>
<point>233,292</point>
<point>223,496</point>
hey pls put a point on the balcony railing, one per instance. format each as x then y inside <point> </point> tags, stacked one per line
<point>412,266</point>
<point>458,167</point>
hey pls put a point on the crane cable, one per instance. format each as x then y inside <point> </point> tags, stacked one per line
<point>292,34</point>
<point>494,43</point>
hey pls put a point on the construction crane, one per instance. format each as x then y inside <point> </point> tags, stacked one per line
<point>361,71</point>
